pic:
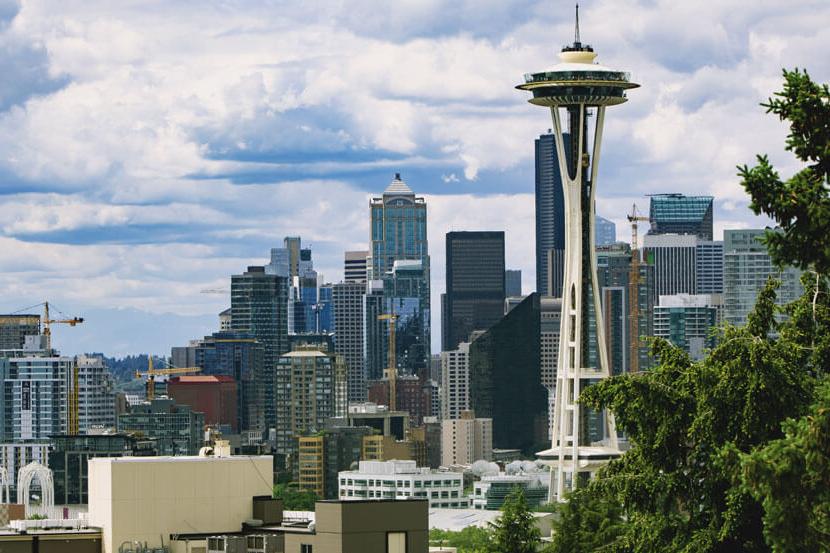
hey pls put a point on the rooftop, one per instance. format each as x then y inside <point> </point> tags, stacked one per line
<point>398,188</point>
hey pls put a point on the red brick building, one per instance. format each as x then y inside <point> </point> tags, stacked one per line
<point>413,396</point>
<point>215,396</point>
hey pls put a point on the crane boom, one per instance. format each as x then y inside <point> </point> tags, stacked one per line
<point>152,372</point>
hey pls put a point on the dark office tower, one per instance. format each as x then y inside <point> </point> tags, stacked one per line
<point>513,283</point>
<point>679,214</point>
<point>354,266</point>
<point>237,355</point>
<point>348,334</point>
<point>15,328</point>
<point>259,306</point>
<point>506,379</point>
<point>550,217</point>
<point>475,284</point>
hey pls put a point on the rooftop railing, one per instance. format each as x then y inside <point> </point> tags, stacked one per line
<point>616,76</point>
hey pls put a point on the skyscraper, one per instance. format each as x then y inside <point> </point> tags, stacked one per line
<point>348,298</point>
<point>400,261</point>
<point>583,89</point>
<point>475,284</point>
<point>14,329</point>
<point>679,214</point>
<point>686,320</point>
<point>354,266</point>
<point>259,305</point>
<point>606,232</point>
<point>513,282</point>
<point>746,268</point>
<point>674,258</point>
<point>455,381</point>
<point>709,267</point>
<point>550,213</point>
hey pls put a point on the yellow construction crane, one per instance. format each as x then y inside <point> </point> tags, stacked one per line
<point>152,372</point>
<point>392,369</point>
<point>634,292</point>
<point>72,400</point>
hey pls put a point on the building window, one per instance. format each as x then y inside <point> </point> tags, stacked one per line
<point>305,548</point>
<point>396,542</point>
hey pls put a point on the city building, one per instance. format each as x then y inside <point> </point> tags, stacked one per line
<point>583,89</point>
<point>412,394</point>
<point>355,268</point>
<point>550,213</point>
<point>551,313</point>
<point>679,214</point>
<point>69,455</point>
<point>475,285</point>
<point>687,321</point>
<point>466,440</point>
<point>259,306</point>
<point>506,381</point>
<point>16,455</point>
<point>746,268</point>
<point>490,492</point>
<point>146,499</point>
<point>311,389</point>
<point>342,447</point>
<point>15,327</point>
<point>224,321</point>
<point>385,422</point>
<point>513,282</point>
<point>674,258</point>
<point>238,355</point>
<point>96,393</point>
<point>606,232</point>
<point>348,299</point>
<point>709,267</point>
<point>402,480</point>
<point>214,396</point>
<point>387,448</point>
<point>455,381</point>
<point>176,429</point>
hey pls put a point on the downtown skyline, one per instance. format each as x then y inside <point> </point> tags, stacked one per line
<point>147,157</point>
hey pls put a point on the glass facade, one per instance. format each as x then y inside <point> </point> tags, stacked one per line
<point>176,429</point>
<point>506,379</point>
<point>550,215</point>
<point>475,285</point>
<point>679,214</point>
<point>687,321</point>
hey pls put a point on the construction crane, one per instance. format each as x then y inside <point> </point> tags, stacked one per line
<point>151,373</point>
<point>634,292</point>
<point>392,369</point>
<point>72,422</point>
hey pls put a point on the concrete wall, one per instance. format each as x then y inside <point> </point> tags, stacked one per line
<point>51,543</point>
<point>149,498</point>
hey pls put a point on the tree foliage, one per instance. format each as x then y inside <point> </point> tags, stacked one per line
<point>471,539</point>
<point>800,205</point>
<point>293,498</point>
<point>730,454</point>
<point>515,530</point>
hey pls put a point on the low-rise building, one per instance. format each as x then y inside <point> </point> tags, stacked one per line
<point>402,480</point>
<point>490,492</point>
<point>466,440</point>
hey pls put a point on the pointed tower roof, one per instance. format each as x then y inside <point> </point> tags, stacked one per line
<point>398,187</point>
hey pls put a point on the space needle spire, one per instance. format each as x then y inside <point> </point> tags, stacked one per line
<point>576,90</point>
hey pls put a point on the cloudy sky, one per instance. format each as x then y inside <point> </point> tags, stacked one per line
<point>149,149</point>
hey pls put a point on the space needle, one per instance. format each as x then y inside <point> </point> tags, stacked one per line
<point>582,440</point>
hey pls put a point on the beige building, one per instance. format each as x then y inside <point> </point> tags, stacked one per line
<point>150,498</point>
<point>466,440</point>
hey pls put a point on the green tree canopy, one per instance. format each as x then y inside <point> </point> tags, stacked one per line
<point>515,530</point>
<point>293,498</point>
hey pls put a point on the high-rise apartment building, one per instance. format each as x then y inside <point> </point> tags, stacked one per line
<point>506,379</point>
<point>96,393</point>
<point>674,258</point>
<point>746,268</point>
<point>687,321</point>
<point>14,329</point>
<point>311,389</point>
<point>605,232</point>
<point>455,381</point>
<point>475,284</point>
<point>355,268</point>
<point>466,440</point>
<point>259,306</point>
<point>513,282</point>
<point>412,394</point>
<point>347,299</point>
<point>550,215</point>
<point>709,267</point>
<point>679,214</point>
<point>214,396</point>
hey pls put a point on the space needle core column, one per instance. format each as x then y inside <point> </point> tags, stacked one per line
<point>583,440</point>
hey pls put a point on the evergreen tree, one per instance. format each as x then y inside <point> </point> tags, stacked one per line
<point>515,530</point>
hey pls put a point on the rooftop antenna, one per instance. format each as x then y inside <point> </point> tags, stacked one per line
<point>576,32</point>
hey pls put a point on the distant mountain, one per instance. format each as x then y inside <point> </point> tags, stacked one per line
<point>119,333</point>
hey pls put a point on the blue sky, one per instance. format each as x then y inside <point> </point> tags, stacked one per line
<point>148,150</point>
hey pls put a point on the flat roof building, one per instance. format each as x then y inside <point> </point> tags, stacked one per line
<point>398,479</point>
